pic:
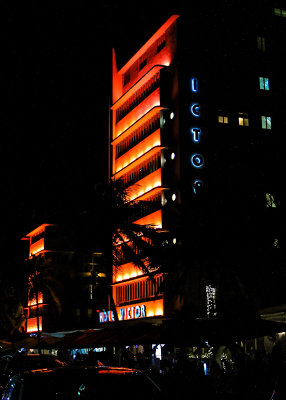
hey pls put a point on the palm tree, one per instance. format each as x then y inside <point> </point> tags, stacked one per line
<point>44,281</point>
<point>12,318</point>
<point>121,238</point>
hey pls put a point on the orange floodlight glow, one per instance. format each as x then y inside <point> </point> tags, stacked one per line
<point>137,162</point>
<point>149,43</point>
<point>145,185</point>
<point>138,151</point>
<point>37,247</point>
<point>127,271</point>
<point>148,116</point>
<point>153,308</point>
<point>154,219</point>
<point>153,100</point>
<point>152,72</point>
<point>33,301</point>
<point>136,98</point>
<point>32,325</point>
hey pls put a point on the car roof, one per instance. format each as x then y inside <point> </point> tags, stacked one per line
<point>83,368</point>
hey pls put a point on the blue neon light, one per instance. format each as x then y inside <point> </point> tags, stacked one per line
<point>197,185</point>
<point>195,110</point>
<point>197,160</point>
<point>196,134</point>
<point>194,85</point>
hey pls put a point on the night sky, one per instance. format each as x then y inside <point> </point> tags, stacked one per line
<point>55,88</point>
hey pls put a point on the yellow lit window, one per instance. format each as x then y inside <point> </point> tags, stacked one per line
<point>222,119</point>
<point>243,119</point>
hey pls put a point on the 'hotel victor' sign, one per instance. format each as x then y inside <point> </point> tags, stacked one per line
<point>125,313</point>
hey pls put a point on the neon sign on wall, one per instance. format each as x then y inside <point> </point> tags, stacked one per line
<point>196,159</point>
<point>125,313</point>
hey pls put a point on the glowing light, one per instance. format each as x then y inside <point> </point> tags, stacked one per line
<point>152,101</point>
<point>33,301</point>
<point>127,83</point>
<point>149,43</point>
<point>197,185</point>
<point>195,110</point>
<point>196,132</point>
<point>173,155</point>
<point>194,85</point>
<point>37,247</point>
<point>148,183</point>
<point>154,219</point>
<point>128,269</point>
<point>174,196</point>
<point>197,160</point>
<point>211,303</point>
<point>32,325</point>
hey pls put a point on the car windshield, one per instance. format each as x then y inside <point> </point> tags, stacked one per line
<point>90,386</point>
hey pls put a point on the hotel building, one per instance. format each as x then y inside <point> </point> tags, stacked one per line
<point>197,124</point>
<point>72,287</point>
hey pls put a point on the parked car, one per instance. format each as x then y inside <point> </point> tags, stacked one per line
<point>81,382</point>
<point>11,365</point>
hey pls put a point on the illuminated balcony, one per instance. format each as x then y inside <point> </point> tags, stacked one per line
<point>136,163</point>
<point>153,100</point>
<point>36,247</point>
<point>138,150</point>
<point>154,219</point>
<point>146,185</point>
<point>148,116</point>
<point>125,272</point>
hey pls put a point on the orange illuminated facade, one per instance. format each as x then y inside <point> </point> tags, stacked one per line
<point>37,240</point>
<point>137,148</point>
<point>36,248</point>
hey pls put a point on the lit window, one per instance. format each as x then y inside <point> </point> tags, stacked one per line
<point>263,83</point>
<point>222,119</point>
<point>279,12</point>
<point>261,43</point>
<point>270,202</point>
<point>265,122</point>
<point>243,119</point>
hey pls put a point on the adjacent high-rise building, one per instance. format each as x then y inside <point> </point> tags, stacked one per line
<point>197,129</point>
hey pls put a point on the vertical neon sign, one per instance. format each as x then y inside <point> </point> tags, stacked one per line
<point>196,159</point>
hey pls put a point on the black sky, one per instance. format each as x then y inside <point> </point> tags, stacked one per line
<point>54,91</point>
